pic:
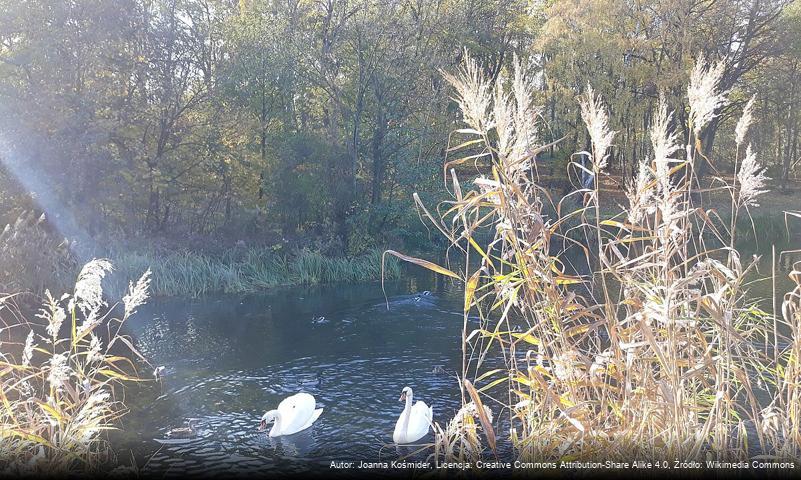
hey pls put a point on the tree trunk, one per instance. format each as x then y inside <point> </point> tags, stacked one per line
<point>378,158</point>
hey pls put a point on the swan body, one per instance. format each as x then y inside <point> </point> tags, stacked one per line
<point>293,414</point>
<point>414,421</point>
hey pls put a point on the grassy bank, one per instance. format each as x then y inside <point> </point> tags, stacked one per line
<point>243,270</point>
<point>35,260</point>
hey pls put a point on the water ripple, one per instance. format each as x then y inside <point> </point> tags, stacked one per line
<point>229,362</point>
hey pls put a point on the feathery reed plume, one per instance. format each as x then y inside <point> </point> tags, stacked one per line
<point>741,130</point>
<point>640,194</point>
<point>503,119</point>
<point>60,398</point>
<point>473,95</point>
<point>34,259</point>
<point>663,139</point>
<point>703,95</point>
<point>597,120</point>
<point>88,294</point>
<point>751,178</point>
<point>665,144</point>
<point>525,112</point>
<point>59,371</point>
<point>137,294</point>
<point>53,313</point>
<point>460,441</point>
<point>27,352</point>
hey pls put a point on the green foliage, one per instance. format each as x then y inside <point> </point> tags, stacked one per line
<point>209,118</point>
<point>33,262</point>
<point>245,270</point>
<point>297,185</point>
<point>183,118</point>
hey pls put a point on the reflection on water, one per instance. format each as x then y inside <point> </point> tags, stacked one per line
<point>229,359</point>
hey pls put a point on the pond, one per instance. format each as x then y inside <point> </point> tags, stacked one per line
<point>230,358</point>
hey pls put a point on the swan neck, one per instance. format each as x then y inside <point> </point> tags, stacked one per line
<point>407,414</point>
<point>276,422</point>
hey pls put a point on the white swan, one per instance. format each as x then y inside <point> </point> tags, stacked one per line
<point>413,423</point>
<point>293,414</point>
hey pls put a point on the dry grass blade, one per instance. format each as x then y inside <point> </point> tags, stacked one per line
<point>486,424</point>
<point>423,263</point>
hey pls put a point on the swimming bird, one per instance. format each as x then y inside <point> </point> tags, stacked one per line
<point>293,414</point>
<point>414,421</point>
<point>184,432</point>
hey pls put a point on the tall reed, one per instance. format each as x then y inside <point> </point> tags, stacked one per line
<point>59,393</point>
<point>246,270</point>
<point>657,353</point>
<point>35,260</point>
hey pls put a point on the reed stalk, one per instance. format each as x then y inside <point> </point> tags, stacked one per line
<point>664,357</point>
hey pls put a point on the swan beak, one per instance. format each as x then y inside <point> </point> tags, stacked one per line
<point>402,397</point>
<point>262,425</point>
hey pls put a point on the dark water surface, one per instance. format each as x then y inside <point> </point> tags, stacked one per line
<point>230,358</point>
